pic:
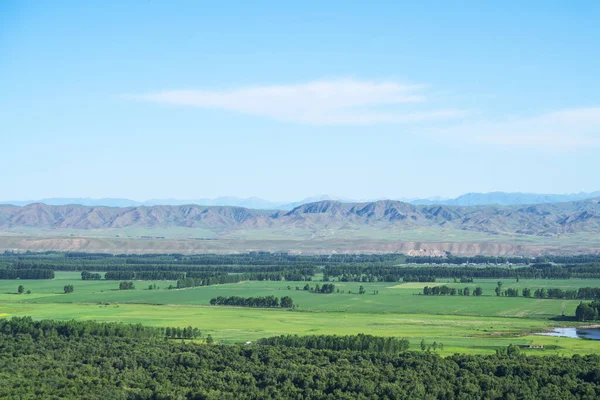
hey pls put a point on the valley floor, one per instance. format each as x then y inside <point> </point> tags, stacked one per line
<point>462,324</point>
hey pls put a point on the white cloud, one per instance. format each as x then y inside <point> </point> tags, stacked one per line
<point>337,102</point>
<point>354,102</point>
<point>564,129</point>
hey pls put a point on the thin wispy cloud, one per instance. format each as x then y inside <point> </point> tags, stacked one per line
<point>334,102</point>
<point>356,102</point>
<point>563,129</point>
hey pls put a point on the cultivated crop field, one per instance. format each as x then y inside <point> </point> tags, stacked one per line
<point>463,324</point>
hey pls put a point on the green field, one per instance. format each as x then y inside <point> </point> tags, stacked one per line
<point>463,324</point>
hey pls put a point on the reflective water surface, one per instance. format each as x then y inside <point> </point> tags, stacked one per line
<point>577,333</point>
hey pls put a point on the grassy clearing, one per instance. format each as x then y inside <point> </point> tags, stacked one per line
<point>463,324</point>
<point>400,298</point>
<point>238,324</point>
<point>481,335</point>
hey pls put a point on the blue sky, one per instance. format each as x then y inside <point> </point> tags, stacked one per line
<point>157,99</point>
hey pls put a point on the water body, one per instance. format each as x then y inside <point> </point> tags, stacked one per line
<point>575,333</point>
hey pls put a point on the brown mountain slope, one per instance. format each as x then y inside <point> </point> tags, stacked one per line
<point>541,219</point>
<point>83,217</point>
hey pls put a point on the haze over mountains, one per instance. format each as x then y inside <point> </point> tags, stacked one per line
<point>249,202</point>
<point>468,199</point>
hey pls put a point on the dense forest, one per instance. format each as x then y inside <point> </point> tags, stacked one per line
<point>114,361</point>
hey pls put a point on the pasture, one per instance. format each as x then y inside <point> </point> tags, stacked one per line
<point>463,324</point>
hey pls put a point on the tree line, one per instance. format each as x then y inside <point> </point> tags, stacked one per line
<point>356,273</point>
<point>258,261</point>
<point>207,278</point>
<point>144,275</point>
<point>360,342</point>
<point>585,293</point>
<point>90,276</point>
<point>260,301</point>
<point>76,329</point>
<point>26,274</point>
<point>325,288</point>
<point>449,291</point>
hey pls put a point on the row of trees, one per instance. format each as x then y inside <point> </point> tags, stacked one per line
<point>260,302</point>
<point>202,278</point>
<point>143,275</point>
<point>586,293</point>
<point>182,333</point>
<point>386,273</point>
<point>90,276</point>
<point>280,260</point>
<point>26,274</point>
<point>194,279</point>
<point>119,275</point>
<point>158,275</point>
<point>209,279</point>
<point>418,278</point>
<point>75,329</point>
<point>449,291</point>
<point>326,288</point>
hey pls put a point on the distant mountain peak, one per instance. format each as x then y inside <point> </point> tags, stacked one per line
<point>533,219</point>
<point>467,199</point>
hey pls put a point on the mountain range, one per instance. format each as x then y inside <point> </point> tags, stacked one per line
<point>468,199</point>
<point>540,219</point>
<point>248,202</point>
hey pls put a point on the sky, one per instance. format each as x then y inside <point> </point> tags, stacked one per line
<point>284,100</point>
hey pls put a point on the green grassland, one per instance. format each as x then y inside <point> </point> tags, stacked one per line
<point>464,324</point>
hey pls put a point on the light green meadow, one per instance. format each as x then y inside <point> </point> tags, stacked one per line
<point>463,324</point>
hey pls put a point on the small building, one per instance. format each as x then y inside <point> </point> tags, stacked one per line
<point>531,346</point>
